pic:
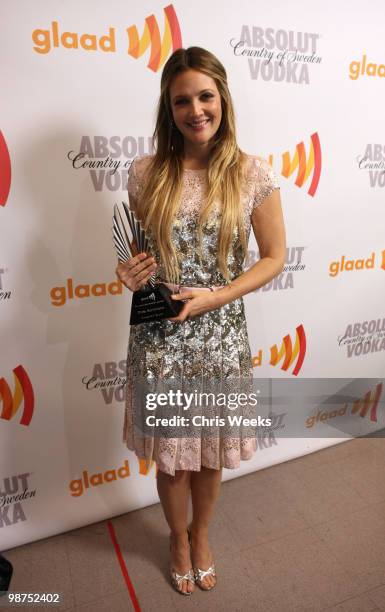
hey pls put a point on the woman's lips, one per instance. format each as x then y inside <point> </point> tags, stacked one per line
<point>198,126</point>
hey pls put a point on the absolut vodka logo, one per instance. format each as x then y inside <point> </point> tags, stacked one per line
<point>277,55</point>
<point>373,162</point>
<point>294,263</point>
<point>14,490</point>
<point>363,337</point>
<point>109,378</point>
<point>107,159</point>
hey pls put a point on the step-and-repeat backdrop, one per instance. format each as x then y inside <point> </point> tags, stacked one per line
<point>79,89</point>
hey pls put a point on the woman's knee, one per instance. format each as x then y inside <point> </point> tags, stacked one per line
<point>180,476</point>
<point>213,471</point>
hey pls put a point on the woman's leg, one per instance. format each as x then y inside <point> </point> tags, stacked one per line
<point>174,492</point>
<point>205,487</point>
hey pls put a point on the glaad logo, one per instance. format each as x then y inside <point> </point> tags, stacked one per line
<point>23,390</point>
<point>373,161</point>
<point>78,486</point>
<point>305,164</point>
<point>360,407</point>
<point>109,378</point>
<point>14,490</point>
<point>5,171</point>
<point>349,265</point>
<point>277,55</point>
<point>146,466</point>
<point>45,40</point>
<point>4,295</point>
<point>100,156</point>
<point>151,36</point>
<point>287,353</point>
<point>60,295</point>
<point>357,68</point>
<point>285,280</point>
<point>371,401</point>
<point>364,337</point>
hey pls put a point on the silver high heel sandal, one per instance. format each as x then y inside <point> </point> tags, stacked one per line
<point>200,574</point>
<point>176,579</point>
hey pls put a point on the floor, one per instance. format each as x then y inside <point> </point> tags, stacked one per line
<point>307,534</point>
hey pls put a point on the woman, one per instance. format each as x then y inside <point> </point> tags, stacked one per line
<point>197,197</point>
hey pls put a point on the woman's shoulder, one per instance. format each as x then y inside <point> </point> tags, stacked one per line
<point>256,163</point>
<point>136,174</point>
<point>140,164</point>
<point>259,170</point>
<point>260,179</point>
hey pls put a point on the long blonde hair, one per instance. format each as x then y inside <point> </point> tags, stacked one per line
<point>160,197</point>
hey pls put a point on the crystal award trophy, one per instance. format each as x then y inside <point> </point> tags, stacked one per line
<point>153,301</point>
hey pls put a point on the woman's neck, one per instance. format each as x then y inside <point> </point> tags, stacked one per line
<point>196,158</point>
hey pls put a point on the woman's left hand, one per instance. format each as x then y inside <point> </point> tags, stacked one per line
<point>198,302</point>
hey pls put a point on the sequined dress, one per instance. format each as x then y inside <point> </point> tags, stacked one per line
<point>213,344</point>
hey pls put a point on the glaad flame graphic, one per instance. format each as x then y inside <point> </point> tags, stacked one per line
<point>289,353</point>
<point>305,165</point>
<point>5,171</point>
<point>23,388</point>
<point>362,406</point>
<point>151,36</point>
<point>144,470</point>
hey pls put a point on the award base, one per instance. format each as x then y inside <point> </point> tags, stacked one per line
<point>153,304</point>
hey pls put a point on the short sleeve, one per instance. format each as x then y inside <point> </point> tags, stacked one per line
<point>132,180</point>
<point>136,178</point>
<point>265,181</point>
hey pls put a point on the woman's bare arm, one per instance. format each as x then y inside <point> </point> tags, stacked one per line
<point>269,231</point>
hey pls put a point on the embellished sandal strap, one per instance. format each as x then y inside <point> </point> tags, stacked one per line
<point>200,574</point>
<point>179,577</point>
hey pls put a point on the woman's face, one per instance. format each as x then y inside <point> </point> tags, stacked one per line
<point>196,106</point>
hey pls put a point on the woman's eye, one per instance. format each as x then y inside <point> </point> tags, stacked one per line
<point>204,96</point>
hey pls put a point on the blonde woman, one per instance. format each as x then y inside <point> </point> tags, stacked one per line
<point>198,197</point>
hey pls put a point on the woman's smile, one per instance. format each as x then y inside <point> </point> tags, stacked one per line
<point>198,126</point>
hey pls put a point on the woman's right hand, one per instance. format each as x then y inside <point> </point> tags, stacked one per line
<point>135,272</point>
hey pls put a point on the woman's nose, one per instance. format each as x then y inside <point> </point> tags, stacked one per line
<point>196,108</point>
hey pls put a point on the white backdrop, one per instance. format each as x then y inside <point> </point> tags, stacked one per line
<point>65,317</point>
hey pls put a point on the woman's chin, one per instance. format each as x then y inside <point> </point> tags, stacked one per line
<point>199,138</point>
